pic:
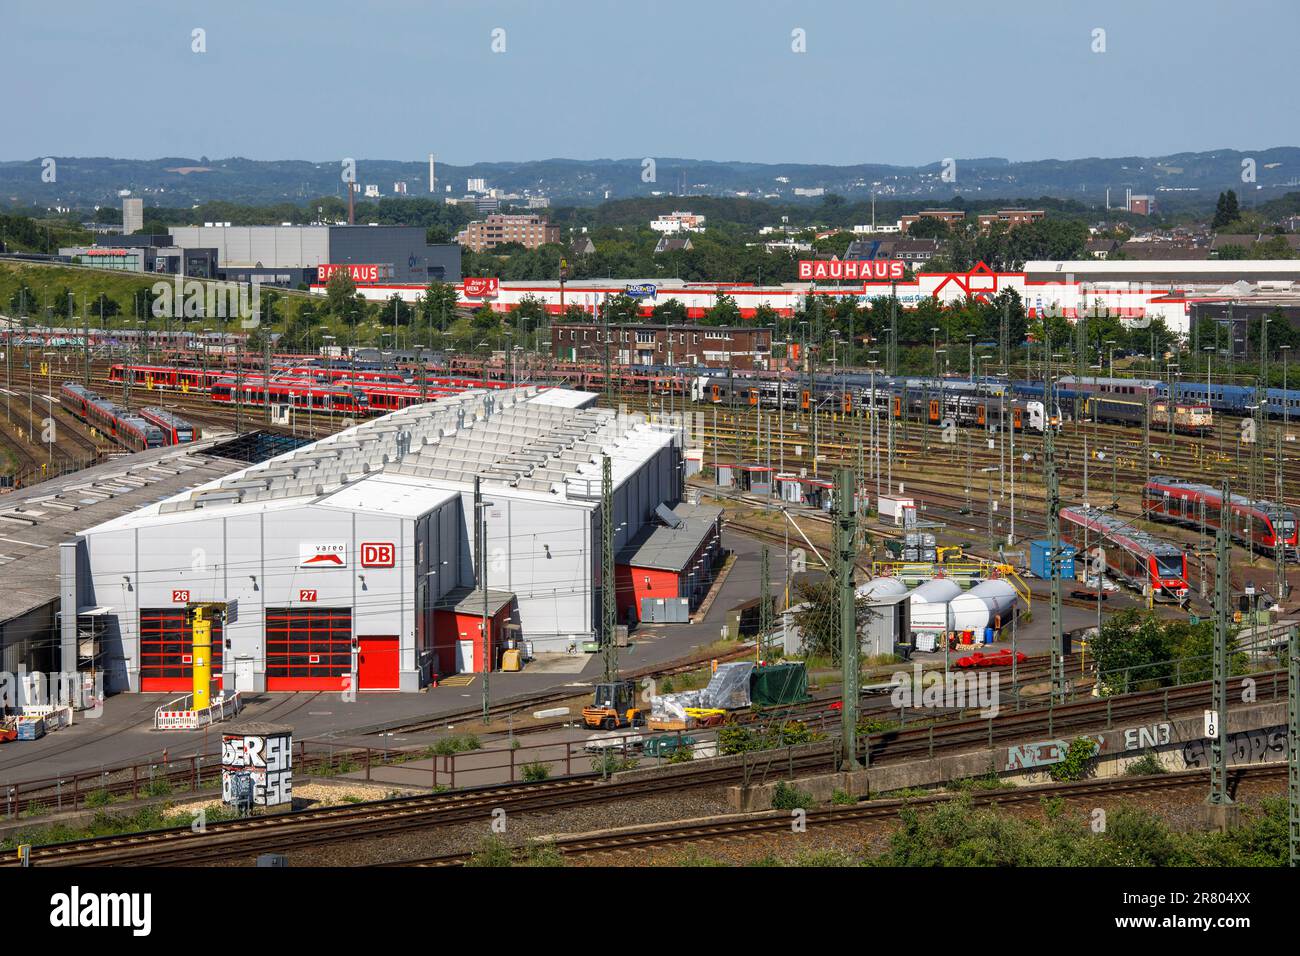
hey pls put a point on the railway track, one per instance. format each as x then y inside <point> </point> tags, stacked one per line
<point>240,839</point>
<point>763,823</point>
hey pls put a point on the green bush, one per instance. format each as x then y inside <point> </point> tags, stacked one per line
<point>682,755</point>
<point>536,772</point>
<point>1145,765</point>
<point>492,851</point>
<point>1078,760</point>
<point>455,744</point>
<point>734,739</point>
<point>99,798</point>
<point>158,786</point>
<point>544,854</point>
<point>787,796</point>
<point>611,762</point>
<point>843,799</point>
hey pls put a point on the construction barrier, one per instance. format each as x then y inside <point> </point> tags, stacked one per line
<point>178,715</point>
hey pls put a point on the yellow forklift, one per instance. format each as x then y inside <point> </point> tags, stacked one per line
<point>613,706</point>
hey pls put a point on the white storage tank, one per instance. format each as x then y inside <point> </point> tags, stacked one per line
<point>986,605</point>
<point>881,587</point>
<point>930,604</point>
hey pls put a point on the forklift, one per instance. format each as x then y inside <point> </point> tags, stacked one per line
<point>614,706</point>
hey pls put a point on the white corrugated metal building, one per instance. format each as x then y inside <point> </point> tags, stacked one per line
<point>350,561</point>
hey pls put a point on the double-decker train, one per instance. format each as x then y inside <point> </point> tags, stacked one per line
<point>1136,557</point>
<point>131,431</point>
<point>1258,524</point>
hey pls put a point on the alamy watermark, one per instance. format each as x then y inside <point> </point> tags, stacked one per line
<point>937,690</point>
<point>27,691</point>
<point>191,299</point>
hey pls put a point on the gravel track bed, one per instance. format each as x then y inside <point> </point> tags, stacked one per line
<point>855,840</point>
<point>520,828</point>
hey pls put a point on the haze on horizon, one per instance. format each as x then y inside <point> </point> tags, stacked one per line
<point>890,82</point>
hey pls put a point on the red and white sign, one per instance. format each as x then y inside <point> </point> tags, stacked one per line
<point>481,288</point>
<point>322,554</point>
<point>378,554</point>
<point>853,270</point>
<point>359,272</point>
<point>180,597</point>
<point>307,595</point>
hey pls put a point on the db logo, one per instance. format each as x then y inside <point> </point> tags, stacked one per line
<point>377,555</point>
<point>180,597</point>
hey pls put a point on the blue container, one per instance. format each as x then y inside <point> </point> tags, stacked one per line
<point>1039,564</point>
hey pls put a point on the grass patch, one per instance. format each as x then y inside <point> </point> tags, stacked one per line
<point>986,781</point>
<point>155,817</point>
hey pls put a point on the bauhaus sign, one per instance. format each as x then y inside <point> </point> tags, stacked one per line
<point>322,554</point>
<point>358,272</point>
<point>853,270</point>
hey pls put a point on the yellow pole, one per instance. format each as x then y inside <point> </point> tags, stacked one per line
<point>201,630</point>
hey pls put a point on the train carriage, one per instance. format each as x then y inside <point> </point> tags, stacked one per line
<point>1134,556</point>
<point>128,430</point>
<point>336,398</point>
<point>1255,523</point>
<point>176,430</point>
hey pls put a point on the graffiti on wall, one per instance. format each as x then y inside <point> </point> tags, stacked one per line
<point>266,758</point>
<point>1044,753</point>
<point>1244,747</point>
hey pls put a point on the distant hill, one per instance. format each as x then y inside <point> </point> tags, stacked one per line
<point>1182,180</point>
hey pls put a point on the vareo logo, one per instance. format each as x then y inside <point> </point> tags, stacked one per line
<point>322,554</point>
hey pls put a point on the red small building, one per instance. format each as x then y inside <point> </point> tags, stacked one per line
<point>671,560</point>
<point>458,629</point>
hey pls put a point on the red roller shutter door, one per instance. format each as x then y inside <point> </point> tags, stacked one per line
<point>167,647</point>
<point>308,648</point>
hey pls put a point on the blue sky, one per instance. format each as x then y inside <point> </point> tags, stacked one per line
<point>880,81</point>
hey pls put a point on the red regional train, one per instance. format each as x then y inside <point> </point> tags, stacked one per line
<point>112,419</point>
<point>1136,557</point>
<point>176,430</point>
<point>254,391</point>
<point>1254,523</point>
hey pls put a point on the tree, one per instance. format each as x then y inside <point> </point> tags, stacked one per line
<point>818,617</point>
<point>529,310</point>
<point>24,300</point>
<point>340,293</point>
<point>724,312</point>
<point>1226,210</point>
<point>103,306</point>
<point>439,302</point>
<point>620,309</point>
<point>928,227</point>
<point>396,311</point>
<point>669,312</point>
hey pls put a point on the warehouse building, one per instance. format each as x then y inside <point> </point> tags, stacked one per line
<point>393,253</point>
<point>351,562</point>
